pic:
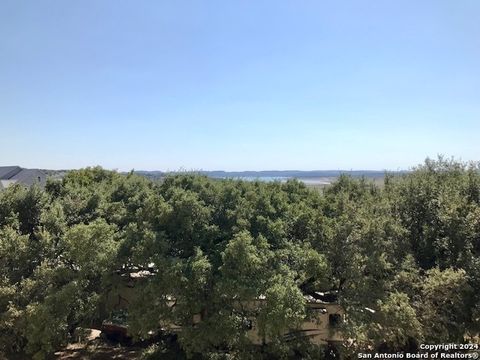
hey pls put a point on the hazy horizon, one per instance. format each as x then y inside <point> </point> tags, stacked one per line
<point>179,170</point>
<point>182,169</point>
<point>238,85</point>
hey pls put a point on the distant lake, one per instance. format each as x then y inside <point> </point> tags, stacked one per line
<point>311,178</point>
<point>306,180</point>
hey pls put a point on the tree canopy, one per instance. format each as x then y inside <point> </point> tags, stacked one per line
<point>404,257</point>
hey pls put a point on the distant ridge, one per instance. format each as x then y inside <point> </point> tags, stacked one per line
<point>307,176</point>
<point>295,173</point>
<point>277,173</point>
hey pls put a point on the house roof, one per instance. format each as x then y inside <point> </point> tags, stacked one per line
<point>6,172</point>
<point>28,176</point>
<point>15,174</point>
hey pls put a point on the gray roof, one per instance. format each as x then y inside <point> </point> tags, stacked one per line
<point>6,172</point>
<point>15,174</point>
<point>28,176</point>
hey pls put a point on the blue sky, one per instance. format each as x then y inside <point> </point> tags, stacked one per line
<point>238,85</point>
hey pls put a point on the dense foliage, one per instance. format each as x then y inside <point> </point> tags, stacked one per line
<point>404,257</point>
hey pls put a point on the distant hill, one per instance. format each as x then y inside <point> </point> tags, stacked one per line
<point>312,177</point>
<point>275,173</point>
<point>294,173</point>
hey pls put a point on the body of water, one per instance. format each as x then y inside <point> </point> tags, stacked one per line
<point>305,180</point>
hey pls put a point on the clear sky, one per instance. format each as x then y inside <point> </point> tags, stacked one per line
<point>238,85</point>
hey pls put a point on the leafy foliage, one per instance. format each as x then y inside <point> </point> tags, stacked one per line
<point>404,258</point>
